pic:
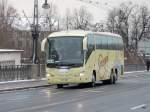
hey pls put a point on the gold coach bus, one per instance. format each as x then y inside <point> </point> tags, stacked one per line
<point>77,57</point>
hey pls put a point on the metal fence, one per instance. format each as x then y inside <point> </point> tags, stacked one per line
<point>21,72</point>
<point>135,67</point>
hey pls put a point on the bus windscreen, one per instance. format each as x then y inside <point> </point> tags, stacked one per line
<point>65,51</point>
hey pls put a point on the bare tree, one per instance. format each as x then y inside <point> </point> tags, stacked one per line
<point>132,22</point>
<point>81,18</point>
<point>119,21</point>
<point>141,25</point>
<point>8,14</point>
<point>98,27</point>
<point>112,23</point>
<point>68,20</point>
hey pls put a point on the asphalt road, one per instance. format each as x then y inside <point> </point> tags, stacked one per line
<point>130,94</point>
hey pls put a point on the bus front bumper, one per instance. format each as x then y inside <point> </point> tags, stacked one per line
<point>67,80</point>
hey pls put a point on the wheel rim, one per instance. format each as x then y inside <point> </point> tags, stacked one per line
<point>59,86</point>
<point>116,78</point>
<point>111,79</point>
<point>93,80</point>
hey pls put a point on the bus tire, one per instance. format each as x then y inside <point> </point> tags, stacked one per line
<point>105,82</point>
<point>93,81</point>
<point>116,75</point>
<point>112,79</point>
<point>59,86</point>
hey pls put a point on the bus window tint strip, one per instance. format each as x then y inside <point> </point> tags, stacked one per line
<point>91,45</point>
<point>108,42</point>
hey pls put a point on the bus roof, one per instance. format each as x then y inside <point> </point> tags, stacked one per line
<point>80,33</point>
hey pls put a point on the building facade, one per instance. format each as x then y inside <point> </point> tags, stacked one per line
<point>10,57</point>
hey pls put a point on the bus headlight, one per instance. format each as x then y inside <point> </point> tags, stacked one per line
<point>81,74</point>
<point>47,75</point>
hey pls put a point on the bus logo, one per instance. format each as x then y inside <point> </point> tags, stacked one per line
<point>102,61</point>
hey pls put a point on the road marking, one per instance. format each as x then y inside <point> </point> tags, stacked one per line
<point>93,91</point>
<point>139,106</point>
<point>58,92</point>
<point>50,92</point>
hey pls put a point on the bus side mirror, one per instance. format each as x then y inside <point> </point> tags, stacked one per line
<point>85,44</point>
<point>43,45</point>
<point>85,53</point>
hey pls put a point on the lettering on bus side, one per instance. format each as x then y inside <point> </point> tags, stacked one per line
<point>102,68</point>
<point>102,60</point>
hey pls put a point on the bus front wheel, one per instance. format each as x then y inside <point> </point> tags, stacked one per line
<point>93,81</point>
<point>59,86</point>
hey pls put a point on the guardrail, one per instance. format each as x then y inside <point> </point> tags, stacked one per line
<point>135,67</point>
<point>21,72</point>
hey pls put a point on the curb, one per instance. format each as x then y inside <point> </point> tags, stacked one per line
<point>23,88</point>
<point>22,81</point>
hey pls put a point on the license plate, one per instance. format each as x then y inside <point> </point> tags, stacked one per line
<point>63,70</point>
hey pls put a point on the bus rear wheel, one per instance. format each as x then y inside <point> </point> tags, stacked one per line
<point>105,81</point>
<point>59,86</point>
<point>112,80</point>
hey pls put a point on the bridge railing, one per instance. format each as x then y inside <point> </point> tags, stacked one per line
<point>134,67</point>
<point>21,72</point>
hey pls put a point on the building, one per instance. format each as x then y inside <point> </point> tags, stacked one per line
<point>10,57</point>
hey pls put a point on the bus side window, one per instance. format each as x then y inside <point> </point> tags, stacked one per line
<point>98,41</point>
<point>109,43</point>
<point>120,44</point>
<point>114,43</point>
<point>104,42</point>
<point>117,43</point>
<point>90,45</point>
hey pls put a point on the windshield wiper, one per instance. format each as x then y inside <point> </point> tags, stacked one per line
<point>74,64</point>
<point>64,63</point>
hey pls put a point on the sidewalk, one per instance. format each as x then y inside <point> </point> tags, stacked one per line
<point>22,84</point>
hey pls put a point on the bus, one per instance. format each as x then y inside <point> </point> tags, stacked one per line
<point>83,57</point>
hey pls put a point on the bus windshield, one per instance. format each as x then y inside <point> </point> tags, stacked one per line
<point>65,51</point>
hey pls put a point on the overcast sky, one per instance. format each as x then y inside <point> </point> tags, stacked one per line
<point>99,12</point>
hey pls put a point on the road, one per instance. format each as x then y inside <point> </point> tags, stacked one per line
<point>130,94</point>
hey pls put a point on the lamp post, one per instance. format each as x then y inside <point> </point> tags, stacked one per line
<point>35,30</point>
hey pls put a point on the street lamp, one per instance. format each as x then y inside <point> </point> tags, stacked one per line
<point>35,29</point>
<point>45,5</point>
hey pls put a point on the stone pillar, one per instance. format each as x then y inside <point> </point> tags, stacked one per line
<point>35,71</point>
